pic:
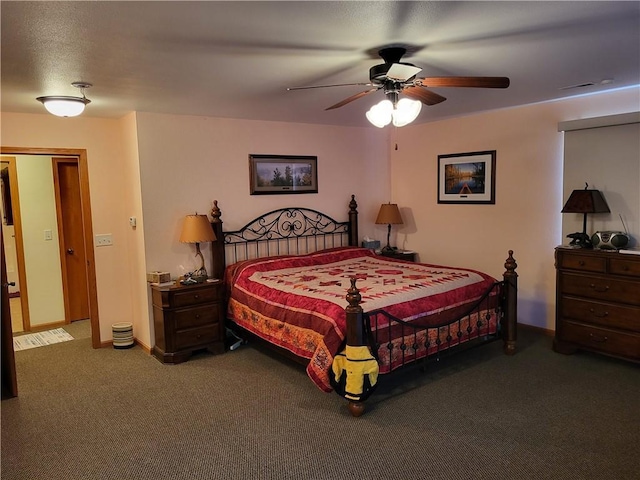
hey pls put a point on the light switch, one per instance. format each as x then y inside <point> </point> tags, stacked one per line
<point>48,234</point>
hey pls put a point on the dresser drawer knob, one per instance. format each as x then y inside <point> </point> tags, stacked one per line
<point>581,263</point>
<point>598,288</point>
<point>598,338</point>
<point>196,296</point>
<point>197,315</point>
<point>599,314</point>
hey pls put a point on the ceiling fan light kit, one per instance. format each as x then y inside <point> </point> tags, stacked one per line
<point>64,106</point>
<point>394,78</point>
<point>401,114</point>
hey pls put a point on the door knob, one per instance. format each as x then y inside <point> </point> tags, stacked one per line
<point>9,284</point>
<point>70,251</point>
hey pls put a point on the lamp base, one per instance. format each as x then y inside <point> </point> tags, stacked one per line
<point>580,239</point>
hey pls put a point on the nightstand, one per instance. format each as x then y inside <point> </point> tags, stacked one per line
<point>407,255</point>
<point>187,318</point>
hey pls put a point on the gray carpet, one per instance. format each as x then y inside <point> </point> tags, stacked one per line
<point>121,414</point>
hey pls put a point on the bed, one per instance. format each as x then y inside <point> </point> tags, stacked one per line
<point>296,279</point>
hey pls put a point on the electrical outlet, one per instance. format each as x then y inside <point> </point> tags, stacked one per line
<point>104,240</point>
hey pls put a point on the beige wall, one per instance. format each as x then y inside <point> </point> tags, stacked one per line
<point>102,138</point>
<point>526,216</point>
<point>186,162</point>
<point>159,168</point>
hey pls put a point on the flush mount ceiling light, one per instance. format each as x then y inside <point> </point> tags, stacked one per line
<point>63,106</point>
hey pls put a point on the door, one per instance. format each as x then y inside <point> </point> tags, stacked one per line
<point>72,239</point>
<point>9,382</point>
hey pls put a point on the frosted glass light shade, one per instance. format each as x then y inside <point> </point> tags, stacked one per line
<point>64,106</point>
<point>406,111</point>
<point>380,114</point>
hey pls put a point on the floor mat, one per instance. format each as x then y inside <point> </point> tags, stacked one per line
<point>40,339</point>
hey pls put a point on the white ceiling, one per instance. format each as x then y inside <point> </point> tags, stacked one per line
<point>236,59</point>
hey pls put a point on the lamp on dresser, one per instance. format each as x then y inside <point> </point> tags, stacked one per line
<point>197,229</point>
<point>584,201</point>
<point>390,215</point>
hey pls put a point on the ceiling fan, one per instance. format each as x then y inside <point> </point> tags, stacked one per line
<point>394,77</point>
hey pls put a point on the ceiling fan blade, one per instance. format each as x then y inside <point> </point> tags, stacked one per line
<point>352,98</point>
<point>478,82</point>
<point>325,86</point>
<point>425,96</point>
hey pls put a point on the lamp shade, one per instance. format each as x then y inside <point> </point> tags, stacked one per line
<point>586,201</point>
<point>389,214</point>
<point>197,229</point>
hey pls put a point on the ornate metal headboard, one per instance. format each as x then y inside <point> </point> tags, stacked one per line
<point>286,231</point>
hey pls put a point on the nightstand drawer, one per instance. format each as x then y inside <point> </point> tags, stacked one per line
<point>195,297</point>
<point>601,339</point>
<point>603,314</point>
<point>197,336</point>
<point>601,288</point>
<point>583,262</point>
<point>622,266</point>
<point>195,317</point>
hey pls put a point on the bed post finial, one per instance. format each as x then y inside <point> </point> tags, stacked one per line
<point>215,212</point>
<point>353,222</point>
<point>510,314</point>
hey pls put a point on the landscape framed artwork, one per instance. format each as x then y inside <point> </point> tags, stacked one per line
<point>467,177</point>
<point>283,174</point>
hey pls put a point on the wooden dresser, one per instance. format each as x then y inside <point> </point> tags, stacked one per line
<point>597,302</point>
<point>187,318</point>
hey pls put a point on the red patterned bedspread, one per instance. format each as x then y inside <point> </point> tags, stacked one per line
<point>298,302</point>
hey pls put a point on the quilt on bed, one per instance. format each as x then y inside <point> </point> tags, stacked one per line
<point>298,302</point>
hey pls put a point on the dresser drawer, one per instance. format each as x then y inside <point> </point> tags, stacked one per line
<point>196,317</point>
<point>622,266</point>
<point>197,336</point>
<point>601,339</point>
<point>195,297</point>
<point>600,288</point>
<point>586,263</point>
<point>602,314</point>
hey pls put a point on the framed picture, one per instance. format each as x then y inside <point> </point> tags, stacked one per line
<point>467,177</point>
<point>276,174</point>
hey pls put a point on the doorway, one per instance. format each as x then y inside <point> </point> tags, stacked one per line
<point>71,173</point>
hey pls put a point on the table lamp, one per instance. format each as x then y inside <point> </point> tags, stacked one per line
<point>390,215</point>
<point>584,201</point>
<point>197,229</point>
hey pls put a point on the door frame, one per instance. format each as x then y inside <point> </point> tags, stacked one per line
<point>83,173</point>
<point>17,230</point>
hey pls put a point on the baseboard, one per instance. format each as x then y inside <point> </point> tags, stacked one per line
<point>109,344</point>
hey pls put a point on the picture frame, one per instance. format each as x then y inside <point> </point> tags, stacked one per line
<point>467,178</point>
<point>283,174</point>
